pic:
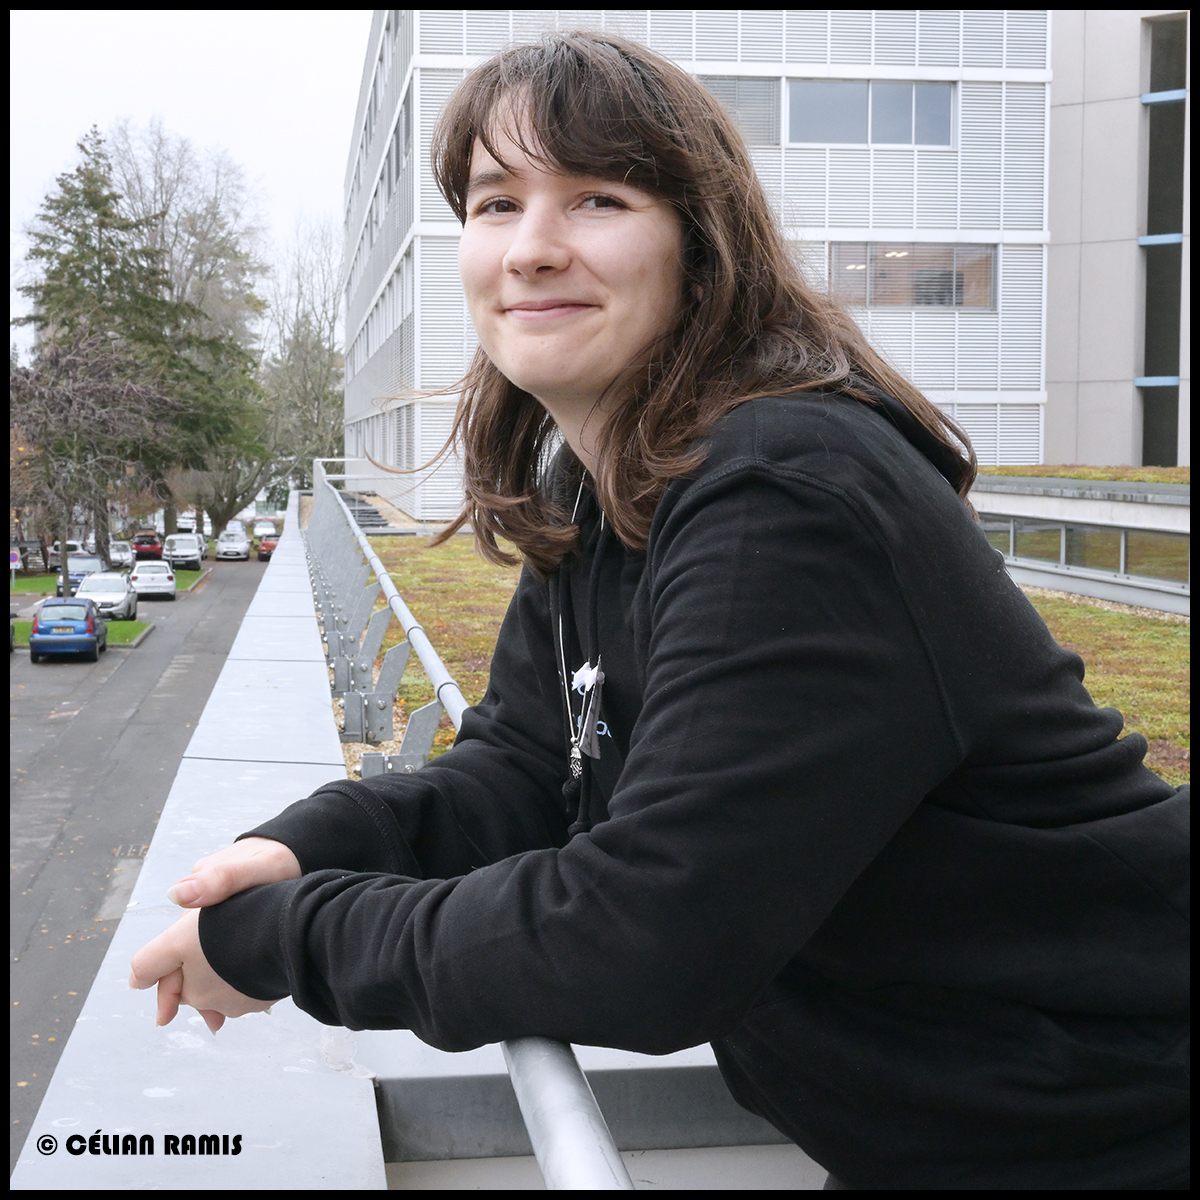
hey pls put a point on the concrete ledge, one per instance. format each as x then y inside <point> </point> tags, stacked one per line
<point>285,1083</point>
<point>1148,511</point>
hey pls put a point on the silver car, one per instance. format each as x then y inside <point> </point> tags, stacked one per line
<point>120,554</point>
<point>111,593</point>
<point>232,544</point>
<point>152,577</point>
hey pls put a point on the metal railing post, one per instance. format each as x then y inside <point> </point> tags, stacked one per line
<point>571,1140</point>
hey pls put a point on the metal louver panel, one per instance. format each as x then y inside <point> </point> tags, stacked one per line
<point>1020,434</point>
<point>717,35</point>
<point>1021,290</point>
<point>435,87</point>
<point>440,30</point>
<point>892,187</point>
<point>805,175</point>
<point>891,333</point>
<point>1024,155</point>
<point>849,188</point>
<point>671,32</point>
<point>896,36</point>
<point>980,423</point>
<point>1026,39</point>
<point>761,37</point>
<point>487,29</point>
<point>768,165</point>
<point>979,156</point>
<point>807,35</point>
<point>937,190</point>
<point>983,37</point>
<point>978,354</point>
<point>933,351</point>
<point>938,37</point>
<point>629,22</point>
<point>442,313</point>
<point>850,35</point>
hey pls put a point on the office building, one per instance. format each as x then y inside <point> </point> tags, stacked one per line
<point>911,156</point>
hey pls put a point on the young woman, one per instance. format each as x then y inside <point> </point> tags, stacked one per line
<point>773,755</point>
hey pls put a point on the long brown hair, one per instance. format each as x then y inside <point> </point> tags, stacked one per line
<point>600,105</point>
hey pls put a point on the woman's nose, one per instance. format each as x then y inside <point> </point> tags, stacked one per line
<point>539,242</point>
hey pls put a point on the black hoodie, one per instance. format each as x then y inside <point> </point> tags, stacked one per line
<point>854,820</point>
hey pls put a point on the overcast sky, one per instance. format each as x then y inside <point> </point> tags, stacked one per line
<point>276,89</point>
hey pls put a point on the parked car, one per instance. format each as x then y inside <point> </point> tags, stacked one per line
<point>184,550</point>
<point>79,565</point>
<point>72,548</point>
<point>263,527</point>
<point>232,544</point>
<point>153,579</point>
<point>112,594</point>
<point>67,626</point>
<point>120,554</point>
<point>147,544</point>
<point>266,545</point>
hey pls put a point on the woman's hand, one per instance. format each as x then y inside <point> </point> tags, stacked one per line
<point>245,864</point>
<point>175,961</point>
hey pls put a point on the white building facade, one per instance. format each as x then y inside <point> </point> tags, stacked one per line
<point>905,151</point>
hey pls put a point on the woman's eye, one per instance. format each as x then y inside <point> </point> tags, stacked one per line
<point>603,202</point>
<point>497,206</point>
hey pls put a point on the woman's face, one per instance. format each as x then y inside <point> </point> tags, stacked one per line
<point>569,279</point>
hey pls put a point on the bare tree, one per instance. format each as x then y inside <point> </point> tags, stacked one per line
<point>202,219</point>
<point>75,418</point>
<point>303,368</point>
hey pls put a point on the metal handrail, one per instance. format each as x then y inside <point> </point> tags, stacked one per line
<point>571,1140</point>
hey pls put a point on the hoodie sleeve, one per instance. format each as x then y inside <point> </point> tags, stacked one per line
<point>791,724</point>
<point>496,792</point>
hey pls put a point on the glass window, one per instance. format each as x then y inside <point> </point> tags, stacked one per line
<point>1094,547</point>
<point>912,274</point>
<point>999,531</point>
<point>62,612</point>
<point>1037,539</point>
<point>932,126</point>
<point>848,272</point>
<point>828,110</point>
<point>833,111</point>
<point>892,114</point>
<point>1158,555</point>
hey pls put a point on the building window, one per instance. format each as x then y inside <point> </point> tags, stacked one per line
<point>860,112</point>
<point>752,103</point>
<point>912,275</point>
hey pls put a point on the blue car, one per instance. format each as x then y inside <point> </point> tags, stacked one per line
<point>68,626</point>
<point>78,566</point>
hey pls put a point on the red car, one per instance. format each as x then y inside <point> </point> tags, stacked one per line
<point>266,544</point>
<point>147,545</point>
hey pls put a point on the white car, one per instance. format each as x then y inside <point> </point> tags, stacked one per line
<point>112,594</point>
<point>263,528</point>
<point>232,544</point>
<point>184,550</point>
<point>72,548</point>
<point>120,554</point>
<point>150,577</point>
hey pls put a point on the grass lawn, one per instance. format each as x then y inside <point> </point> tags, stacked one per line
<point>1108,474</point>
<point>47,584</point>
<point>120,633</point>
<point>1136,663</point>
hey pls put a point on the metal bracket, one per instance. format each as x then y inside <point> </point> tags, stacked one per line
<point>414,749</point>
